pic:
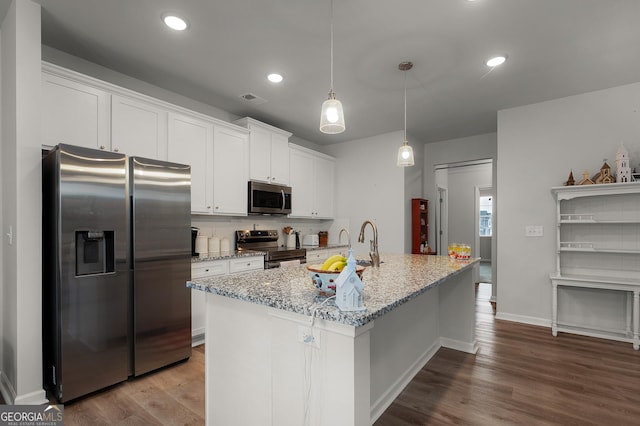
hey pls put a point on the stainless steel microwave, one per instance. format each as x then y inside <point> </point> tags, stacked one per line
<point>268,198</point>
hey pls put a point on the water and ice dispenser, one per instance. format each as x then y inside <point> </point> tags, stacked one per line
<point>95,252</point>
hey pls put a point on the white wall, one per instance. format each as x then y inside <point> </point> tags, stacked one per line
<point>21,369</point>
<point>453,151</point>
<point>485,249</point>
<point>2,281</point>
<point>413,188</point>
<point>538,145</point>
<point>462,183</point>
<point>461,150</point>
<point>371,186</point>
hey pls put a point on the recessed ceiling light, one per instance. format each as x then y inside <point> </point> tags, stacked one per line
<point>175,22</point>
<point>275,77</point>
<point>495,61</point>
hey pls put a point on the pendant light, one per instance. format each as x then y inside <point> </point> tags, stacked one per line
<point>405,152</point>
<point>332,116</point>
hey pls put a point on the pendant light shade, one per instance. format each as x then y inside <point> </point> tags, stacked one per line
<point>332,115</point>
<point>405,155</point>
<point>405,152</point>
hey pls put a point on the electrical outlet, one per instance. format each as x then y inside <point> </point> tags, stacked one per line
<point>309,336</point>
<point>533,231</point>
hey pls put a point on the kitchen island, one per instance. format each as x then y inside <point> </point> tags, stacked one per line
<point>278,353</point>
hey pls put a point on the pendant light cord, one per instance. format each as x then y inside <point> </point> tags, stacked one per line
<point>331,50</point>
<point>405,106</point>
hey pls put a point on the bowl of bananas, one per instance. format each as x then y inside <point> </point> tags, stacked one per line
<point>323,275</point>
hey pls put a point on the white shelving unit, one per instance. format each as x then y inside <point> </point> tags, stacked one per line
<point>598,247</point>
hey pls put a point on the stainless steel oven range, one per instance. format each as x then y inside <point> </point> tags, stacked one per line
<point>267,241</point>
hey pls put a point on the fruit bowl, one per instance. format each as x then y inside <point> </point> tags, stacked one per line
<point>324,280</point>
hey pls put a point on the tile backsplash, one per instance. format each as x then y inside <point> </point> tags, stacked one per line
<point>226,226</point>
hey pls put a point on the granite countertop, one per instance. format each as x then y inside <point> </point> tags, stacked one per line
<point>233,254</point>
<point>400,278</point>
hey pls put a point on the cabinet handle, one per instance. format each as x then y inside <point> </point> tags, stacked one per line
<point>209,207</point>
<point>116,149</point>
<point>206,270</point>
<point>217,207</point>
<point>102,147</point>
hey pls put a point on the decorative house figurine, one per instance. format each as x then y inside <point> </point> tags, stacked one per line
<point>585,179</point>
<point>571,181</point>
<point>604,175</point>
<point>623,171</point>
<point>349,288</point>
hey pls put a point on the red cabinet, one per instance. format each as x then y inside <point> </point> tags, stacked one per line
<point>419,226</point>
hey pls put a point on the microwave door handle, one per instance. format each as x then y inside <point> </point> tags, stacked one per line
<point>282,193</point>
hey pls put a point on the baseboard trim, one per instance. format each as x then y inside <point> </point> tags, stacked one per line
<point>458,345</point>
<point>398,386</point>
<point>37,397</point>
<point>197,340</point>
<point>542,322</point>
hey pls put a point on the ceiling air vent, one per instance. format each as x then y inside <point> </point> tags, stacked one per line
<point>254,99</point>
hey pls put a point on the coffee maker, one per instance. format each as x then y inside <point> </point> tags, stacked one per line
<point>194,234</point>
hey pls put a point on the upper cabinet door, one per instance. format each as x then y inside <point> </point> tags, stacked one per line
<point>74,113</point>
<point>230,171</point>
<point>312,183</point>
<point>324,187</point>
<point>190,141</point>
<point>280,172</point>
<point>138,128</point>
<point>302,184</point>
<point>260,154</point>
<point>268,152</point>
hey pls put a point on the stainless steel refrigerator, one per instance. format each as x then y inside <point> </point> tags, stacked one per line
<point>116,257</point>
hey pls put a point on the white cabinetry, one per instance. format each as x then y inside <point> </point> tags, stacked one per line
<point>191,142</point>
<point>203,270</point>
<point>74,113</point>
<point>598,247</point>
<point>80,110</point>
<point>244,264</point>
<point>138,128</point>
<point>320,255</point>
<point>268,152</point>
<point>214,268</point>
<point>230,174</point>
<point>324,178</point>
<point>313,184</point>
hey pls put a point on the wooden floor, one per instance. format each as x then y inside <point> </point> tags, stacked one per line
<point>520,376</point>
<point>172,396</point>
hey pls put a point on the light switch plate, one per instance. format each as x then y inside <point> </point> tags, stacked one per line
<point>533,231</point>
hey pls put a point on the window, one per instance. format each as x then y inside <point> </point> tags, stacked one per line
<point>486,210</point>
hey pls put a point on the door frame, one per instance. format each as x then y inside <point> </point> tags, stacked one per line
<point>442,229</point>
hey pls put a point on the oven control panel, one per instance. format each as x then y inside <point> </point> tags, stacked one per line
<point>247,236</point>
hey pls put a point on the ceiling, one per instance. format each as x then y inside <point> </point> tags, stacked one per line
<point>555,48</point>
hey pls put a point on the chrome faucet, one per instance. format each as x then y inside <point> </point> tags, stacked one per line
<point>345,230</point>
<point>373,248</point>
